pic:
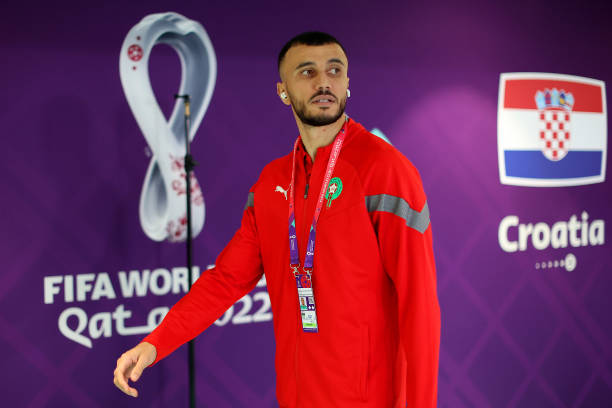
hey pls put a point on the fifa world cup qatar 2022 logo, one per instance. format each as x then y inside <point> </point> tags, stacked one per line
<point>554,109</point>
<point>162,206</point>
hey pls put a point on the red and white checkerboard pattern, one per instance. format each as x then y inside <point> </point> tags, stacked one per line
<point>554,133</point>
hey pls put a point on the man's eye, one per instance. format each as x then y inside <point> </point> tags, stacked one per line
<point>306,72</point>
<point>334,71</point>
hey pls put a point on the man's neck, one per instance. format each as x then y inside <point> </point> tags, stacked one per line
<point>314,137</point>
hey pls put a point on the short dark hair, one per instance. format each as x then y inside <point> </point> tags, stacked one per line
<point>308,38</point>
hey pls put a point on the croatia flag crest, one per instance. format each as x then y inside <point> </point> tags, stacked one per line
<point>551,130</point>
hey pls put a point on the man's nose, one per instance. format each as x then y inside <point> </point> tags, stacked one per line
<point>322,83</point>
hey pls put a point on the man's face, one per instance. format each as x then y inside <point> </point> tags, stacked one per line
<point>315,80</point>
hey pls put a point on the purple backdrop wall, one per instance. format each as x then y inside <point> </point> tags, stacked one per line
<point>513,335</point>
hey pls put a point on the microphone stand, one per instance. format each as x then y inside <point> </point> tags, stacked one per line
<point>190,163</point>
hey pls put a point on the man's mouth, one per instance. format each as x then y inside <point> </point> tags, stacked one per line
<point>323,100</point>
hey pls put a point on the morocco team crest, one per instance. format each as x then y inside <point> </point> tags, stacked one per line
<point>551,130</point>
<point>334,190</point>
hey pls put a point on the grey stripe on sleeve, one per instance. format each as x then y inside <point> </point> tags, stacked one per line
<point>398,206</point>
<point>250,200</point>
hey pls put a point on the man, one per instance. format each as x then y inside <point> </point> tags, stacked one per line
<point>341,229</point>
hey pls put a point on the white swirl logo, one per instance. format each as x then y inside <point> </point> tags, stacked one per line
<point>162,200</point>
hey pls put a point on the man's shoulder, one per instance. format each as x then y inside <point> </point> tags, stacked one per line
<point>278,171</point>
<point>278,164</point>
<point>376,158</point>
<point>383,169</point>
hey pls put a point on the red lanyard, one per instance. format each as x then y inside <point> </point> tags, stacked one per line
<point>331,164</point>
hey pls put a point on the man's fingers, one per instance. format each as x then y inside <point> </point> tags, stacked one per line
<point>125,366</point>
<point>120,378</point>
<point>122,384</point>
<point>131,365</point>
<point>137,370</point>
<point>145,358</point>
<point>124,363</point>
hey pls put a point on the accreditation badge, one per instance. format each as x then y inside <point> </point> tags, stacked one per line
<point>306,302</point>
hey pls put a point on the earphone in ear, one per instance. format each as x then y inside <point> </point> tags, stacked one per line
<point>348,93</point>
<point>283,95</point>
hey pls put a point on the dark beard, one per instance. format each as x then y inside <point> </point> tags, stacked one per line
<point>320,119</point>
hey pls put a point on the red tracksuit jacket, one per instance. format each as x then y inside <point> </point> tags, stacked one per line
<point>374,281</point>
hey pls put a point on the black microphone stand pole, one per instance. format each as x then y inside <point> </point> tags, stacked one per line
<point>189,165</point>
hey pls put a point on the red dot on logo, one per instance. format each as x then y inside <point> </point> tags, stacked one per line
<point>542,116</point>
<point>135,52</point>
<point>548,143</point>
<point>548,125</point>
<point>566,135</point>
<point>561,145</point>
<point>561,126</point>
<point>554,135</point>
<point>554,116</point>
<point>542,135</point>
<point>567,118</point>
<point>554,153</point>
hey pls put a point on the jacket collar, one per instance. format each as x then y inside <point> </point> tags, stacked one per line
<point>324,151</point>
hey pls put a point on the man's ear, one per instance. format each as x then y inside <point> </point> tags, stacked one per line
<point>282,93</point>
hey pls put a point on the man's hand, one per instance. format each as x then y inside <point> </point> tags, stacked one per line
<point>131,364</point>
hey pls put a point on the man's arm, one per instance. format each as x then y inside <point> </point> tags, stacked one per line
<point>400,217</point>
<point>237,271</point>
